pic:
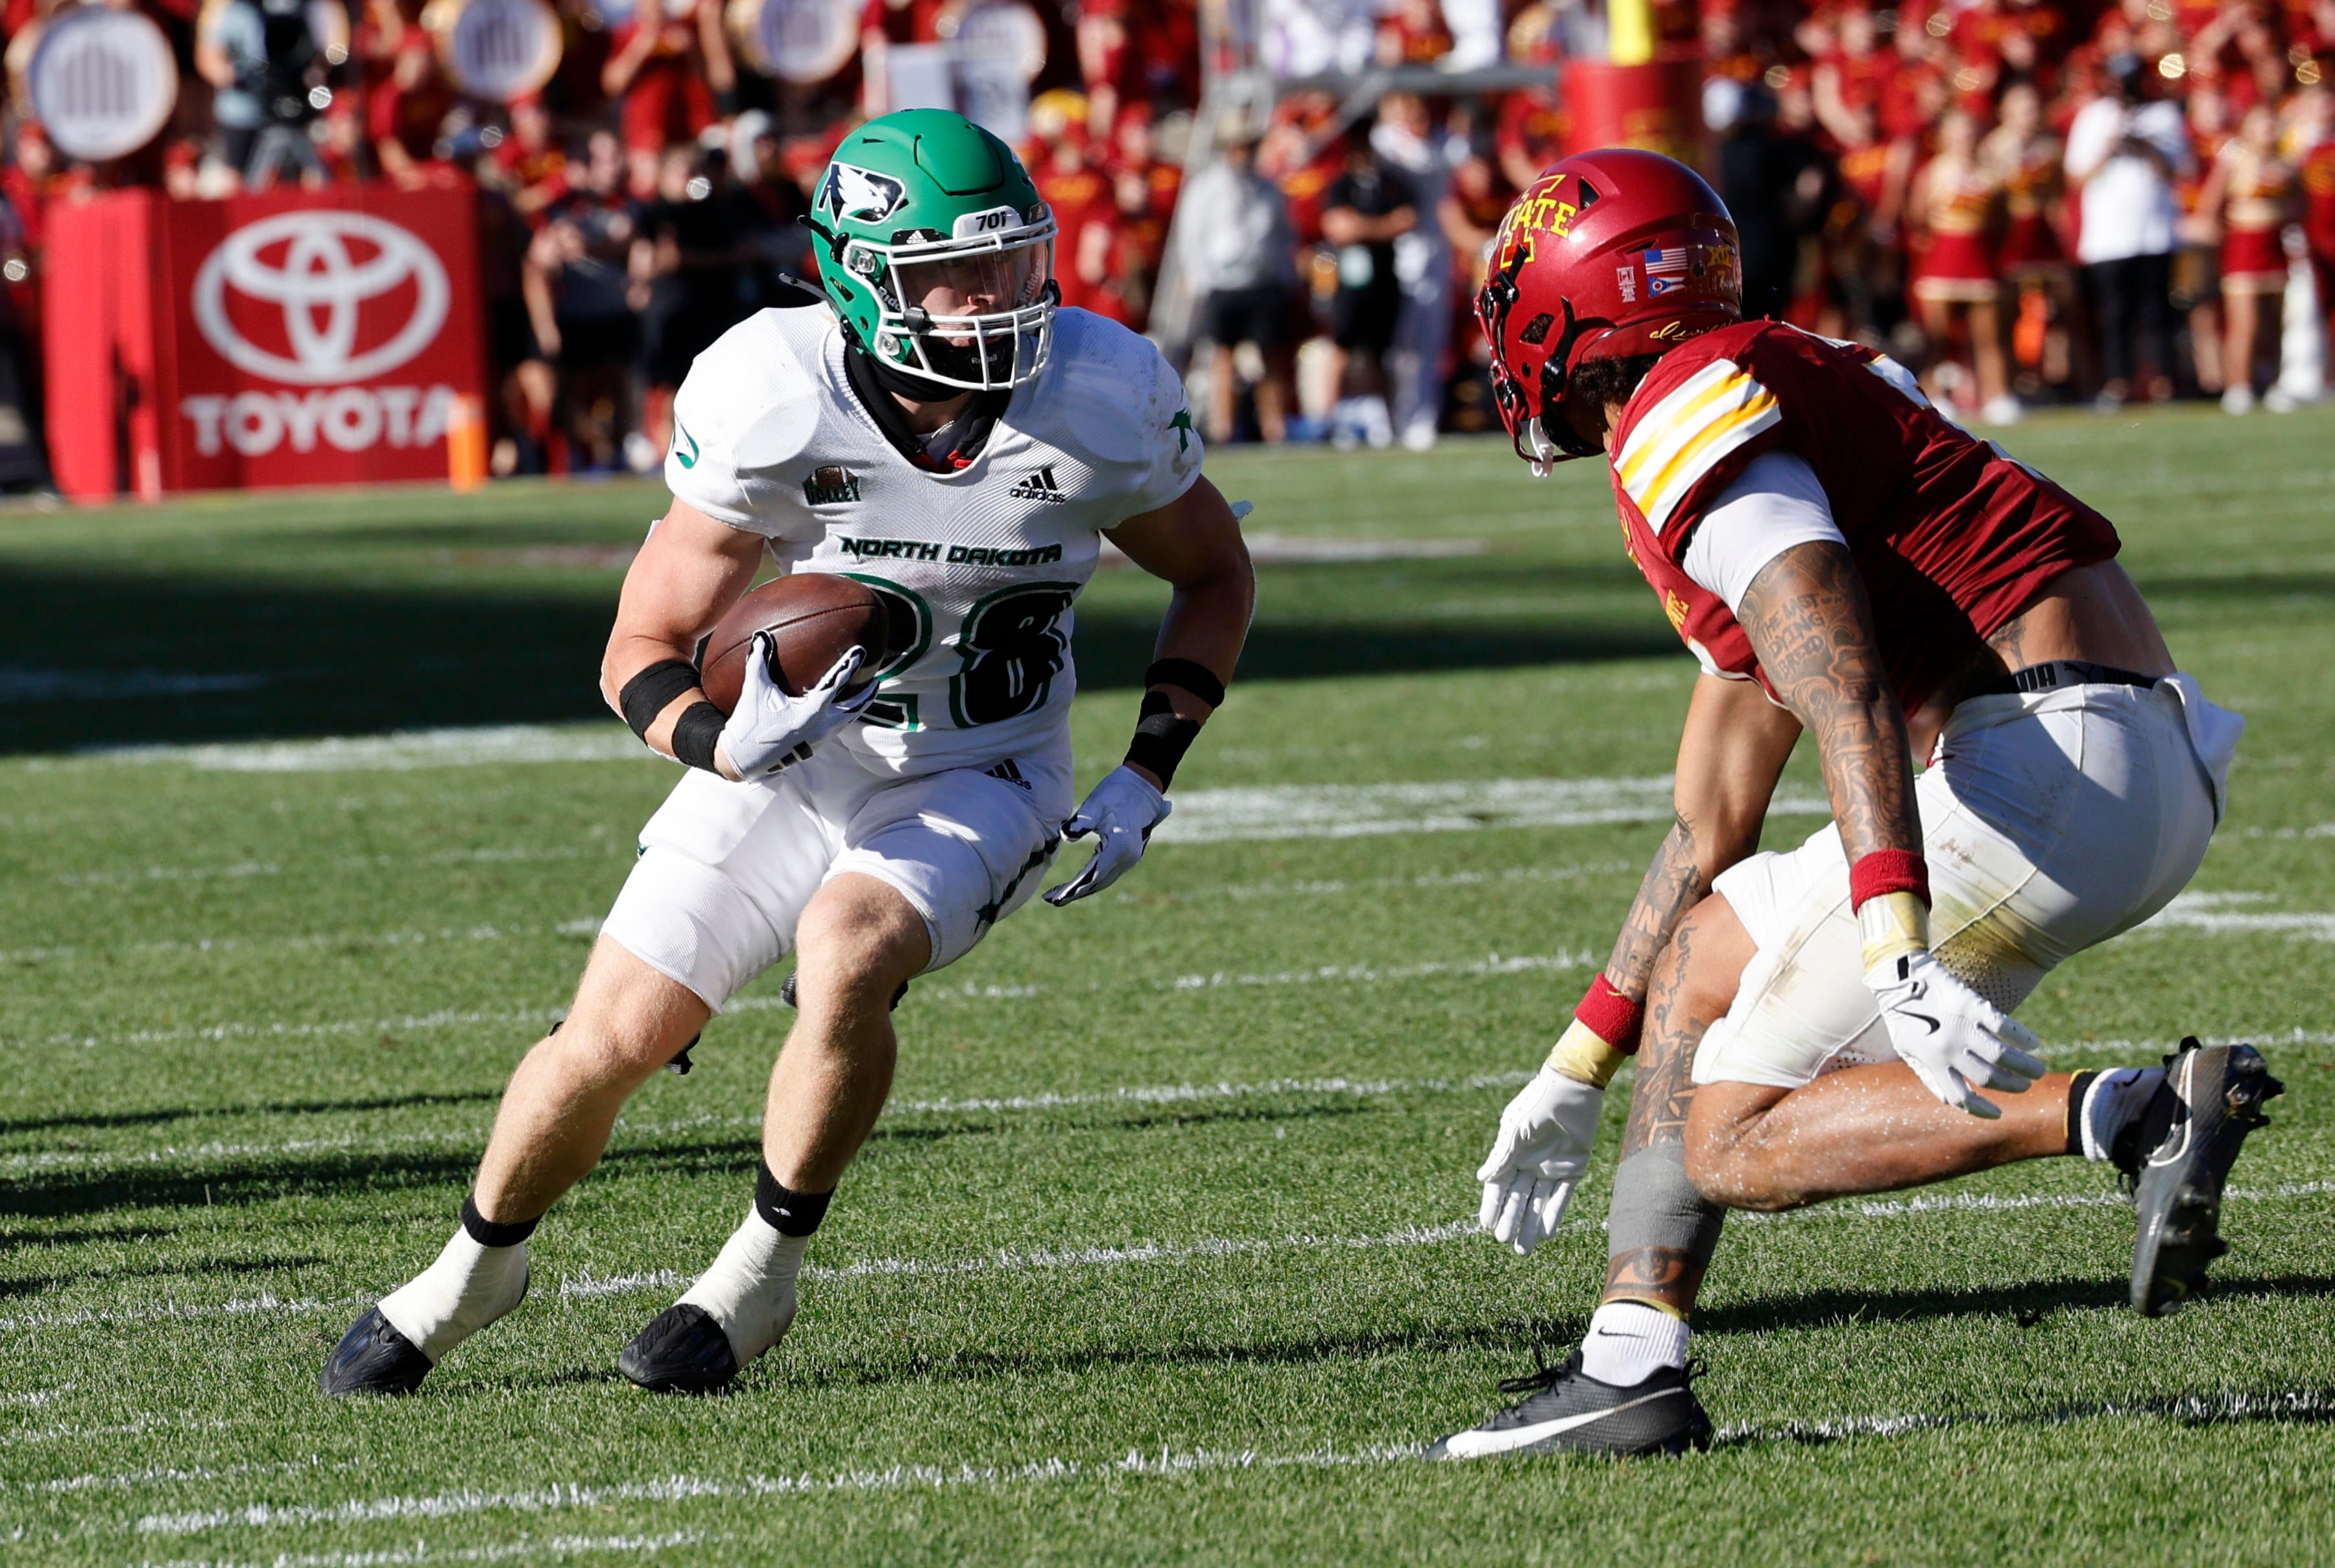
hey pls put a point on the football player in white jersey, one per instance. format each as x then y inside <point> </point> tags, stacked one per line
<point>939,430</point>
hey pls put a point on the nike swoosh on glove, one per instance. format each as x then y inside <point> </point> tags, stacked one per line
<point>1536,1158</point>
<point>1956,1042</point>
<point>1120,812</point>
<point>769,731</point>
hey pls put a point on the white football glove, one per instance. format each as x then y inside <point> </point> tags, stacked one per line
<point>769,731</point>
<point>1537,1158</point>
<point>1120,811</point>
<point>1955,1041</point>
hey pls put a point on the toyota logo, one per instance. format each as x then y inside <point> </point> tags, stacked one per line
<point>319,269</point>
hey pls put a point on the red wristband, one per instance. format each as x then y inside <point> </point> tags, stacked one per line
<point>1888,871</point>
<point>1612,1017</point>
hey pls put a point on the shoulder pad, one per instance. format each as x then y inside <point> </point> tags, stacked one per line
<point>1107,390</point>
<point>759,387</point>
<point>1691,425</point>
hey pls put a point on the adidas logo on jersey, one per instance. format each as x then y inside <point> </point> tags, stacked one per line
<point>1011,774</point>
<point>1038,486</point>
<point>831,485</point>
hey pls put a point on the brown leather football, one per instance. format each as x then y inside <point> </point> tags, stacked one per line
<point>814,618</point>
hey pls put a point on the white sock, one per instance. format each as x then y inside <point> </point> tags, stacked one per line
<point>750,1289</point>
<point>1627,1342</point>
<point>2110,1101</point>
<point>470,1286</point>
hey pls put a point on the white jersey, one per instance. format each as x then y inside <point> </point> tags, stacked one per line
<point>981,567</point>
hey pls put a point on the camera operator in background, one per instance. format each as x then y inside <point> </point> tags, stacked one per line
<point>267,61</point>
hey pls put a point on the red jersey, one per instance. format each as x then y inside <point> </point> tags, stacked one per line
<point>1952,536</point>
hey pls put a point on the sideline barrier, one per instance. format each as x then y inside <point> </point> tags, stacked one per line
<point>301,338</point>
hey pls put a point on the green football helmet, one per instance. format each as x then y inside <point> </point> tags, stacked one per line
<point>939,252</point>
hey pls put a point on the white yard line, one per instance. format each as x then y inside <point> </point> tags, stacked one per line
<point>485,745</point>
<point>1131,1095</point>
<point>1025,1260</point>
<point>1138,1095</point>
<point>1356,810</point>
<point>1491,965</point>
<point>1166,1462</point>
<point>422,1552</point>
<point>311,942</point>
<point>169,1476</point>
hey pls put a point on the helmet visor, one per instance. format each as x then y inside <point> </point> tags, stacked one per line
<point>981,319</point>
<point>983,283</point>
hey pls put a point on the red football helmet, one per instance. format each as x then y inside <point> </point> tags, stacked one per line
<point>1609,254</point>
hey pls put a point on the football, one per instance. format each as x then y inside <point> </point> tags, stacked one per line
<point>814,618</point>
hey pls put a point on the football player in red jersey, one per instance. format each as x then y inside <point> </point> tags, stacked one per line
<point>1833,1018</point>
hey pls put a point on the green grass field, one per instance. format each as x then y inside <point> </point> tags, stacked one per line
<point>1162,1253</point>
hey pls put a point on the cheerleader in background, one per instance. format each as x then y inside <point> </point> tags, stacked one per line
<point>1955,200</point>
<point>2025,157</point>
<point>2252,194</point>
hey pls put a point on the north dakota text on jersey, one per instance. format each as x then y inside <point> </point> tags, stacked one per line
<point>953,554</point>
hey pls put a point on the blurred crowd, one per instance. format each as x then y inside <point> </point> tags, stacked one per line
<point>2098,200</point>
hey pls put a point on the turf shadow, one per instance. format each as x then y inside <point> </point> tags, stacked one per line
<point>2028,1304</point>
<point>34,1285</point>
<point>184,658</point>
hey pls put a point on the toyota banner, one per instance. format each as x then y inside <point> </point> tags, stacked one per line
<point>295,338</point>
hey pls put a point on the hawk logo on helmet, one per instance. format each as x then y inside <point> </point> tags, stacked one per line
<point>860,195</point>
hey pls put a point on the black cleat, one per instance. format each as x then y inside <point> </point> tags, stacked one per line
<point>2175,1156</point>
<point>373,1358</point>
<point>1571,1410</point>
<point>682,1352</point>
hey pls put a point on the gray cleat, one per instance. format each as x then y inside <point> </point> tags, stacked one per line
<point>2175,1156</point>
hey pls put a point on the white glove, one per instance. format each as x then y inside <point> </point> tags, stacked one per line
<point>769,731</point>
<point>1955,1041</point>
<point>1121,811</point>
<point>1537,1158</point>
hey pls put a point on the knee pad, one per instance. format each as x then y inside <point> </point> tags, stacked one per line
<point>1654,1206</point>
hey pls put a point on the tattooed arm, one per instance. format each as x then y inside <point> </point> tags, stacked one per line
<point>1807,616</point>
<point>1730,755</point>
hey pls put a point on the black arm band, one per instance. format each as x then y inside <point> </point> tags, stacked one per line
<point>1194,677</point>
<point>695,732</point>
<point>651,691</point>
<point>1161,738</point>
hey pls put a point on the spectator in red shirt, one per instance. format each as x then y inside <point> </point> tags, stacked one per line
<point>407,113</point>
<point>672,60</point>
<point>1085,217</point>
<point>531,160</point>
